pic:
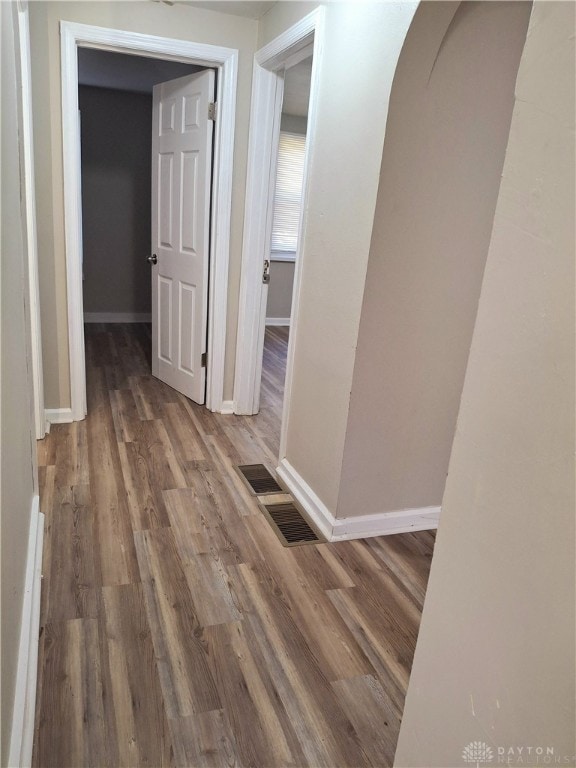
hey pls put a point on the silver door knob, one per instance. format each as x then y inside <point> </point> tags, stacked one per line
<point>152,259</point>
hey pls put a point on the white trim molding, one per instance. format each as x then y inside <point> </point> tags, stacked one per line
<point>386,523</point>
<point>22,734</point>
<point>58,416</point>
<point>361,527</point>
<point>225,60</point>
<point>266,106</point>
<point>27,139</point>
<point>117,317</point>
<point>314,507</point>
<point>228,407</point>
<point>278,321</point>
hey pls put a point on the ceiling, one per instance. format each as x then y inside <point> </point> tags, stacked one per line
<point>123,72</point>
<point>250,10</point>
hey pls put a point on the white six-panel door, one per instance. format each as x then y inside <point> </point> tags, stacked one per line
<point>181,175</point>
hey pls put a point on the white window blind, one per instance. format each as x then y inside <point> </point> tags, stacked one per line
<point>288,193</point>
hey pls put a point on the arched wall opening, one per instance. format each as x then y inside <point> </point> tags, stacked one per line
<point>446,137</point>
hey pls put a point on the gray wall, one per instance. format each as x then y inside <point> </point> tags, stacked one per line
<point>116,184</point>
<point>293,123</point>
<point>446,137</point>
<point>279,303</point>
<point>17,441</point>
<point>495,656</point>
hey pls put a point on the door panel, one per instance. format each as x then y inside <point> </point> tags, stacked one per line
<point>181,174</point>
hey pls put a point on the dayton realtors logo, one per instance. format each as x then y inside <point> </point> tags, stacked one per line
<point>477,753</point>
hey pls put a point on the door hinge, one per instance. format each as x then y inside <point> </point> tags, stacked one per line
<point>266,271</point>
<point>204,360</point>
<point>212,110</point>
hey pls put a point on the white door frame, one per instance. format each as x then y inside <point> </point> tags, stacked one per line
<point>37,374</point>
<point>225,61</point>
<point>267,92</point>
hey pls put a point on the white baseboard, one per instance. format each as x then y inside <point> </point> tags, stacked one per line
<point>58,416</point>
<point>362,527</point>
<point>228,407</point>
<point>117,317</point>
<point>277,321</point>
<point>311,503</point>
<point>22,734</point>
<point>385,523</point>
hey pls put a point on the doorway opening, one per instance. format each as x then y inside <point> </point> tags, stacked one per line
<point>286,220</point>
<point>123,194</point>
<point>281,127</point>
<point>201,56</point>
<point>115,112</point>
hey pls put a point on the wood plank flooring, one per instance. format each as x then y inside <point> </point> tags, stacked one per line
<point>175,629</point>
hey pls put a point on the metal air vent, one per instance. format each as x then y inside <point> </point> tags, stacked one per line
<point>259,479</point>
<point>289,524</point>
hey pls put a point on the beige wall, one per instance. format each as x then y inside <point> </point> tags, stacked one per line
<point>279,302</point>
<point>495,656</point>
<point>17,442</point>
<point>361,49</point>
<point>446,137</point>
<point>281,17</point>
<point>178,21</point>
<point>116,183</point>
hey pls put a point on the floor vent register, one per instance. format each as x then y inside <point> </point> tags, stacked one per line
<point>281,511</point>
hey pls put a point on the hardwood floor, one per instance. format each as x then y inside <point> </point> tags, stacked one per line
<point>175,629</point>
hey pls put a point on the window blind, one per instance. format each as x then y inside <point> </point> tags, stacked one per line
<point>288,192</point>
